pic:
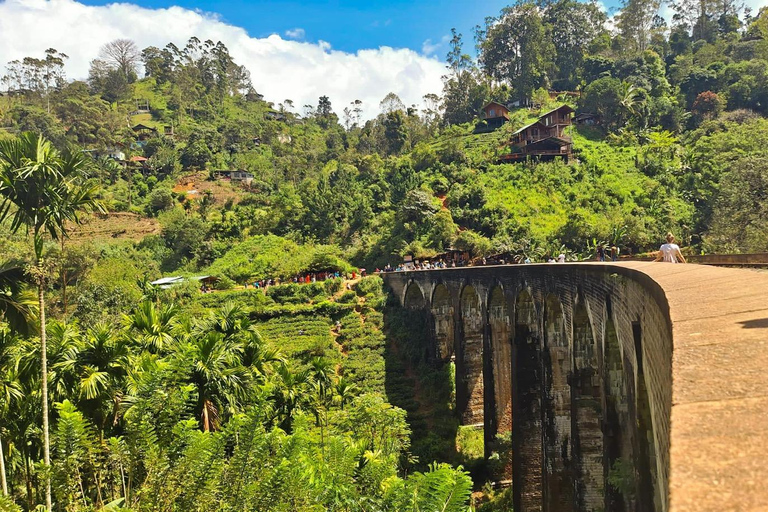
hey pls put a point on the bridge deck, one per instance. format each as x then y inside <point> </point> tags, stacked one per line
<point>719,434</point>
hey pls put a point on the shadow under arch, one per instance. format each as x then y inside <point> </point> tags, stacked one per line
<point>586,414</point>
<point>558,484</point>
<point>414,297</point>
<point>618,433</point>
<point>498,422</point>
<point>441,307</point>
<point>527,432</point>
<point>469,359</point>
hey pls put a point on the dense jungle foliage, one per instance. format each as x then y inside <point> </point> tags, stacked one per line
<point>315,396</point>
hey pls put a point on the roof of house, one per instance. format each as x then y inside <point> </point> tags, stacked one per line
<point>529,126</point>
<point>561,107</point>
<point>167,280</point>
<point>143,127</point>
<point>492,103</point>
<point>585,115</point>
<point>138,159</point>
<point>538,121</point>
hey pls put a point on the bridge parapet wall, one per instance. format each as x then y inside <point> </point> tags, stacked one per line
<point>588,364</point>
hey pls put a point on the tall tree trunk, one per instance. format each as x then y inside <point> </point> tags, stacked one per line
<point>28,482</point>
<point>206,420</point>
<point>63,276</point>
<point>44,370</point>
<point>2,469</point>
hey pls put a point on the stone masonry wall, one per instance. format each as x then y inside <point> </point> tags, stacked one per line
<point>576,409</point>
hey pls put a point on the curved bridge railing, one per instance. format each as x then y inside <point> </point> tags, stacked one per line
<point>648,370</point>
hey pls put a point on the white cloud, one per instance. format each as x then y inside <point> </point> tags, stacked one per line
<point>295,33</point>
<point>430,48</point>
<point>280,69</point>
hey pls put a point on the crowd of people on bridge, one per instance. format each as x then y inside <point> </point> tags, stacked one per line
<point>668,252</point>
<point>307,278</point>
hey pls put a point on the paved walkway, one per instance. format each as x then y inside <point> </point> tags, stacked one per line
<point>719,432</point>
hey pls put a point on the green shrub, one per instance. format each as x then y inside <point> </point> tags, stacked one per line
<point>294,293</point>
<point>370,286</point>
<point>224,283</point>
<point>333,285</point>
<point>348,297</point>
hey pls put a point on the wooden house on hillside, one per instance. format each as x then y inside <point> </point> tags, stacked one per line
<point>236,175</point>
<point>495,115</point>
<point>144,132</point>
<point>544,139</point>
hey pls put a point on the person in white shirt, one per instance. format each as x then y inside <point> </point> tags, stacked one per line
<point>670,251</point>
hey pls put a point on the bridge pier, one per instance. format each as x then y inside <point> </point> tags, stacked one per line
<point>558,478</point>
<point>499,368</point>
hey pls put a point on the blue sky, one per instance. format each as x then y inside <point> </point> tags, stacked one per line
<point>350,25</point>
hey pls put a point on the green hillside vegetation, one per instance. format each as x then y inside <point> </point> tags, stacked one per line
<point>322,395</point>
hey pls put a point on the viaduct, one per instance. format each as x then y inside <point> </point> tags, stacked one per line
<point>651,374</point>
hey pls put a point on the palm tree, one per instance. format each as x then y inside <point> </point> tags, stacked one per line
<point>259,357</point>
<point>16,302</point>
<point>631,98</point>
<point>345,390</point>
<point>10,391</point>
<point>103,361</point>
<point>212,363</point>
<point>155,323</point>
<point>289,393</point>
<point>41,190</point>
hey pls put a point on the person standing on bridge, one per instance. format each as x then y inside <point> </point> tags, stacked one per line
<point>670,251</point>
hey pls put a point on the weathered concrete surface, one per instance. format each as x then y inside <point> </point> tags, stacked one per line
<point>719,434</point>
<point>692,357</point>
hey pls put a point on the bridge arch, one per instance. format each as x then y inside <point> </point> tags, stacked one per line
<point>618,431</point>
<point>469,358</point>
<point>413,296</point>
<point>499,348</point>
<point>587,411</point>
<point>442,309</point>
<point>527,434</point>
<point>558,485</point>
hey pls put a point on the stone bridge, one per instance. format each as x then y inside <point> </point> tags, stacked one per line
<point>650,375</point>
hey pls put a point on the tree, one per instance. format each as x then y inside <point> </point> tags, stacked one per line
<point>124,55</point>
<point>613,100</point>
<point>635,22</point>
<point>16,302</point>
<point>516,48</point>
<point>102,364</point>
<point>289,394</point>
<point>10,391</point>
<point>704,18</point>
<point>740,213</point>
<point>41,190</point>
<point>391,103</point>
<point>395,131</point>
<point>155,324</point>
<point>212,361</point>
<point>708,105</point>
<point>465,90</point>
<point>575,26</point>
